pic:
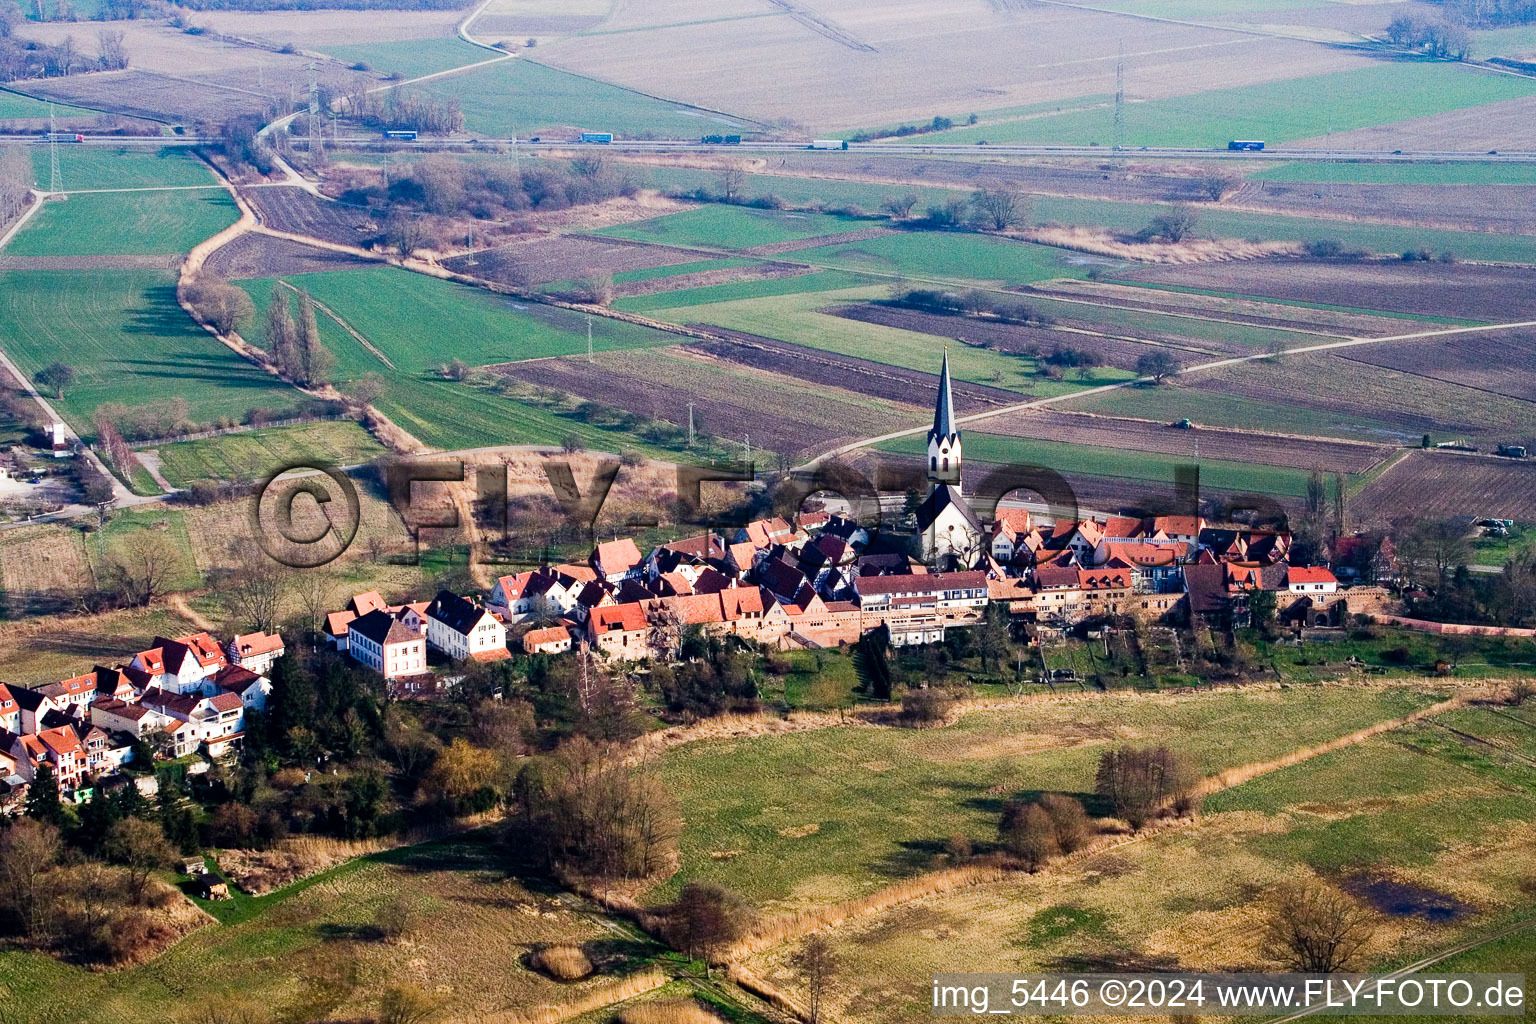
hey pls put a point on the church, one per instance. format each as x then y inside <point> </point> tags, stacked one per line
<point>952,537</point>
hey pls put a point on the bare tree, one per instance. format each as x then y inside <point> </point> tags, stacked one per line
<point>255,587</point>
<point>900,207</point>
<point>109,45</point>
<point>404,233</point>
<point>29,849</point>
<point>216,302</point>
<point>1314,928</point>
<point>706,919</point>
<point>140,846</point>
<point>1175,225</point>
<point>1216,182</point>
<point>1157,363</point>
<point>1028,833</point>
<point>732,181</point>
<point>367,389</point>
<point>143,567</point>
<point>1000,205</point>
<point>817,964</point>
<point>315,590</point>
<point>55,377</point>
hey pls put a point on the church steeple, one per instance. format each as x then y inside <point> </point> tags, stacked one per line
<point>944,437</point>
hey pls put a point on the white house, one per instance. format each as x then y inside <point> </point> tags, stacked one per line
<point>255,651</point>
<point>386,645</point>
<point>462,629</point>
<point>1310,582</point>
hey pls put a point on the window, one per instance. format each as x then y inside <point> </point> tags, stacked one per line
<point>946,464</point>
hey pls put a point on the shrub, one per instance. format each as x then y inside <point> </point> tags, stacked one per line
<point>925,707</point>
<point>394,919</point>
<point>1069,820</point>
<point>563,963</point>
<point>1028,833</point>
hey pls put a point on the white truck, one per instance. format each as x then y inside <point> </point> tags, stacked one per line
<point>828,144</point>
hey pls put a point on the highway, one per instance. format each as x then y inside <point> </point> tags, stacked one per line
<point>907,149</point>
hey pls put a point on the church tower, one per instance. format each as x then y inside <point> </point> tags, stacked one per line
<point>944,438</point>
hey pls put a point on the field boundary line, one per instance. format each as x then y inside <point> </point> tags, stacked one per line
<point>137,188</point>
<point>328,311</point>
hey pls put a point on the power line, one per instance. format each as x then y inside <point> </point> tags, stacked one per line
<point>55,182</point>
<point>589,339</point>
<point>1119,139</point>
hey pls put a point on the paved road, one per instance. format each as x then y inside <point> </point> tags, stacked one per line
<point>860,148</point>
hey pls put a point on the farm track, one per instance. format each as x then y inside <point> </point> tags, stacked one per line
<point>356,334</point>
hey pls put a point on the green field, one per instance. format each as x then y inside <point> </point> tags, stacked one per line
<point>1518,42</point>
<point>882,801</point>
<point>125,223</point>
<point>1205,10</point>
<point>128,342</point>
<point>1119,463</point>
<point>958,256</point>
<point>1275,111</point>
<point>1382,238</point>
<point>684,298</point>
<point>412,58</point>
<point>735,227</point>
<point>420,322</point>
<point>1465,173</point>
<point>253,454</point>
<point>16,105</point>
<point>104,545</point>
<point>795,318</point>
<point>87,167</point>
<point>801,191</point>
<point>519,97</point>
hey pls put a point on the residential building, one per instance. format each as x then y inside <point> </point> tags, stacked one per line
<point>255,652</point>
<point>463,629</point>
<point>386,645</point>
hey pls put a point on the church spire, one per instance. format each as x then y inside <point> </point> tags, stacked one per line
<point>944,437</point>
<point>944,408</point>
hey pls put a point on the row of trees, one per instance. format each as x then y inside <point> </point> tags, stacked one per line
<point>293,341</point>
<point>22,59</point>
<point>405,110</point>
<point>15,182</point>
<point>1489,13</point>
<point>451,186</point>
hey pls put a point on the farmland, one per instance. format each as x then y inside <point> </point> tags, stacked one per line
<point>475,926</point>
<point>1203,443</point>
<point>1447,826</point>
<point>519,97</point>
<point>129,342</point>
<point>735,227</point>
<point>486,328</point>
<point>803,285</point>
<point>1460,173</point>
<point>883,801</point>
<point>1491,294</point>
<point>566,257</point>
<point>253,255</point>
<point>1334,385</point>
<point>1438,484</point>
<point>251,455</point>
<point>1297,108</point>
<point>88,167</point>
<point>1074,459</point>
<point>125,223</point>
<point>411,58</point>
<point>17,106</point>
<point>956,257</point>
<point>297,211</point>
<point>1500,363</point>
<point>777,413</point>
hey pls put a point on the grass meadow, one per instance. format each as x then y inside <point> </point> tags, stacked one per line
<point>816,817</point>
<point>1279,111</point>
<point>801,191</point>
<point>87,167</point>
<point>125,223</point>
<point>1459,173</point>
<point>474,925</point>
<point>412,58</point>
<point>251,455</point>
<point>681,300</point>
<point>1119,463</point>
<point>520,97</point>
<point>1390,817</point>
<point>961,257</point>
<point>128,342</point>
<point>17,105</point>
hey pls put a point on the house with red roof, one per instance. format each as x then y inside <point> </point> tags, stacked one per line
<point>617,560</point>
<point>619,631</point>
<point>255,652</point>
<point>550,640</point>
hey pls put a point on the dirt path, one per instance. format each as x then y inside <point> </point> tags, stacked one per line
<point>328,311</point>
<point>178,604</point>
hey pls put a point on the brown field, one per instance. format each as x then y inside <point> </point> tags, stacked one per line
<point>547,258</point>
<point>795,244</point>
<point>256,255</point>
<point>291,209</point>
<point>877,380</point>
<point>778,413</point>
<point>1500,209</point>
<point>920,58</point>
<point>39,565</point>
<point>1508,124</point>
<point>1118,351</point>
<point>47,650</point>
<point>119,262</point>
<point>316,28</point>
<point>1434,484</point>
<point>1337,385</point>
<point>1466,291</point>
<point>708,278</point>
<point>1501,363</point>
<point>1245,311</point>
<point>1202,442</point>
<point>149,95</point>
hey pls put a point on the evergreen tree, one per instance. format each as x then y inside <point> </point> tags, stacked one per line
<point>292,701</point>
<point>43,797</point>
<point>308,340</point>
<point>176,819</point>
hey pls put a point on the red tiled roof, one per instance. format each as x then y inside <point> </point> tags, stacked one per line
<point>607,618</point>
<point>1316,574</point>
<point>153,660</point>
<point>253,644</point>
<point>548,635</point>
<point>1104,579</point>
<point>367,601</point>
<point>204,648</point>
<point>336,623</point>
<point>924,583</point>
<point>617,555</point>
<point>225,702</point>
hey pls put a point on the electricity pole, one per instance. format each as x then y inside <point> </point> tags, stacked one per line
<point>589,339</point>
<point>1119,139</point>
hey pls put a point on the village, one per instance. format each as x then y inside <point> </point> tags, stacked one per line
<point>816,580</point>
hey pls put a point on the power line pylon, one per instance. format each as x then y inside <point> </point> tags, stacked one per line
<point>1119,139</point>
<point>55,182</point>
